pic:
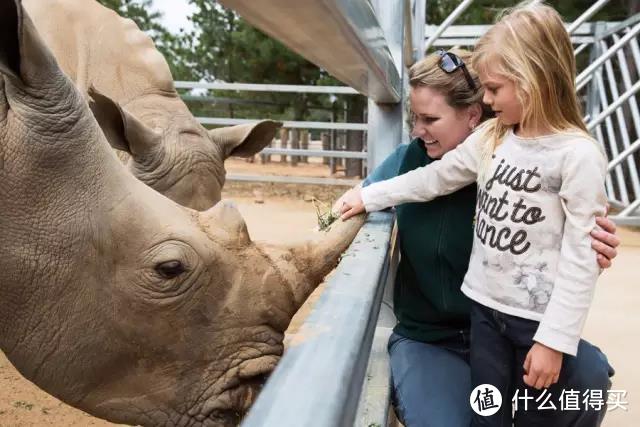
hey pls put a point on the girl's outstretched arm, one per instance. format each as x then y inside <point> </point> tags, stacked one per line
<point>456,169</point>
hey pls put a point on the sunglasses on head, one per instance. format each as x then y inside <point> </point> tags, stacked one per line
<point>450,62</point>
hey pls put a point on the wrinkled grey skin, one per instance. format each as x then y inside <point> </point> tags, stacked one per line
<point>167,148</point>
<point>114,298</point>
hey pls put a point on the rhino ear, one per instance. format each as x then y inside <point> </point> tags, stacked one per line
<point>244,140</point>
<point>23,54</point>
<point>123,130</point>
<point>10,32</point>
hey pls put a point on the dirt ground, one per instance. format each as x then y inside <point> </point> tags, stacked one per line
<point>613,324</point>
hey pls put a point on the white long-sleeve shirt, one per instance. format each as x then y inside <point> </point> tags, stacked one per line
<point>532,254</point>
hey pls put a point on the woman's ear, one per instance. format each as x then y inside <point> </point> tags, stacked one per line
<point>475,115</point>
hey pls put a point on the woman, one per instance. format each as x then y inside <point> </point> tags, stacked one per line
<point>429,348</point>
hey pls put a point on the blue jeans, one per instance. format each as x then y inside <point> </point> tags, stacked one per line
<point>432,381</point>
<point>499,346</point>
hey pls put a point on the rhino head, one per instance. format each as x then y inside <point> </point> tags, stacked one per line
<point>114,298</point>
<point>166,147</point>
<point>174,154</point>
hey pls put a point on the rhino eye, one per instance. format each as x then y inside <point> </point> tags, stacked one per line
<point>170,269</point>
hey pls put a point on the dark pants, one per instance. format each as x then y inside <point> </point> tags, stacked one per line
<point>499,346</point>
<point>431,381</point>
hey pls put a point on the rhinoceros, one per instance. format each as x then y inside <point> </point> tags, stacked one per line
<point>169,150</point>
<point>114,298</point>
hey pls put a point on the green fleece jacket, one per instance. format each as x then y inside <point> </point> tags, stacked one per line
<point>435,247</point>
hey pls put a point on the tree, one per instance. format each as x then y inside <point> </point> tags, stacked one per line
<point>486,11</point>
<point>226,48</point>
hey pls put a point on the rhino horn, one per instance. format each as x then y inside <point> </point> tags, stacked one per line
<point>314,259</point>
<point>225,221</point>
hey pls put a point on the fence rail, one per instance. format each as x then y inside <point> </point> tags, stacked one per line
<point>253,87</point>
<point>611,84</point>
<point>286,123</point>
<point>361,43</point>
<point>293,179</point>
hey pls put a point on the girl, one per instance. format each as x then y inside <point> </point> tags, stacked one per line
<point>540,186</point>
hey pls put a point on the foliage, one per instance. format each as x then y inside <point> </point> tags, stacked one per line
<point>227,48</point>
<point>486,11</point>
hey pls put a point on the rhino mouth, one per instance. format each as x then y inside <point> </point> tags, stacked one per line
<point>241,392</point>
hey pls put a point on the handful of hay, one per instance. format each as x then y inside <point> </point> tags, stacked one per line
<point>325,215</point>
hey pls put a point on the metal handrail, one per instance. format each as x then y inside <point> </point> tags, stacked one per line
<point>291,124</point>
<point>292,179</point>
<point>586,74</point>
<point>586,15</point>
<point>614,106</point>
<point>253,87</point>
<point>613,127</point>
<point>447,22</point>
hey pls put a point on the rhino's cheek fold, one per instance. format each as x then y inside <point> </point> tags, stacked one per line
<point>274,300</point>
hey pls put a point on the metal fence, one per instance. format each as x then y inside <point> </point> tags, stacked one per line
<point>329,151</point>
<point>610,85</point>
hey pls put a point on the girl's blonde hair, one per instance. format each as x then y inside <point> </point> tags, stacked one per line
<point>453,86</point>
<point>530,46</point>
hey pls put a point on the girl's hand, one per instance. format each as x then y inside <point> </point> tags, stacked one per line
<point>605,241</point>
<point>542,366</point>
<point>338,204</point>
<point>351,204</point>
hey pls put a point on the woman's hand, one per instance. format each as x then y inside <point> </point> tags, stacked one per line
<point>542,366</point>
<point>605,241</point>
<point>351,203</point>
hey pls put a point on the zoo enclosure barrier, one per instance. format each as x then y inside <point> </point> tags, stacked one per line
<point>331,146</point>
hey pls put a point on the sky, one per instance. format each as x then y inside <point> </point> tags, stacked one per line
<point>175,14</point>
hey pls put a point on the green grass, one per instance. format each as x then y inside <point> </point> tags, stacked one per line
<point>325,216</point>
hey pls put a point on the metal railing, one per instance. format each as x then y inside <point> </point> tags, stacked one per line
<point>331,153</point>
<point>611,84</point>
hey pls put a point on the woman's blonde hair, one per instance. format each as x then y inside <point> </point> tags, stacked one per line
<point>530,46</point>
<point>453,86</point>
